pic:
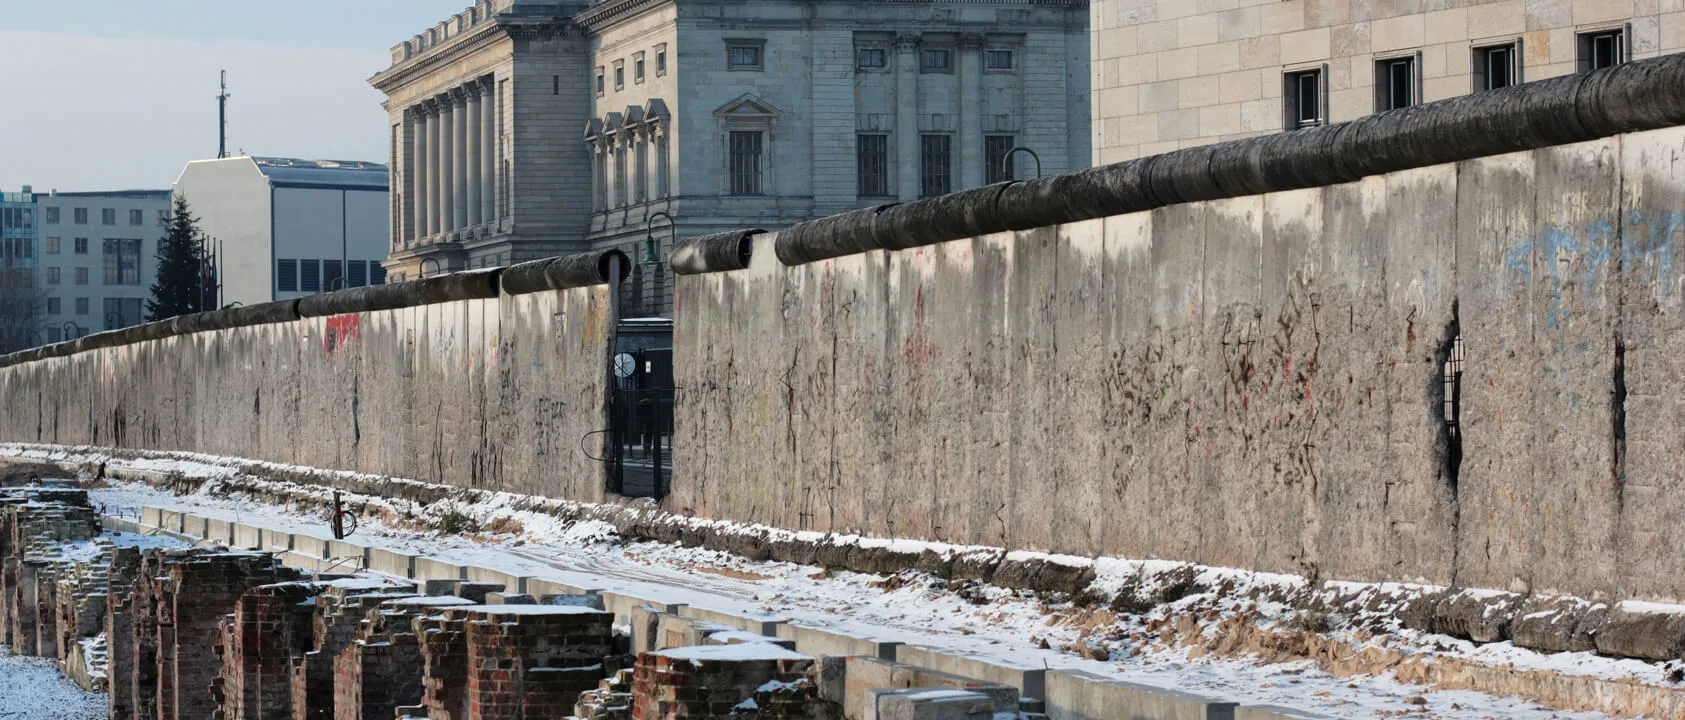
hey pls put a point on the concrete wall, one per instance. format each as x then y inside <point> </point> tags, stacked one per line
<point>498,393</point>
<point>1254,382</point>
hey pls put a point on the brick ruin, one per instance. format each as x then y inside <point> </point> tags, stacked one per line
<point>206,632</point>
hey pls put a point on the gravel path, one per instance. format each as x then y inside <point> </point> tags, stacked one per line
<point>33,688</point>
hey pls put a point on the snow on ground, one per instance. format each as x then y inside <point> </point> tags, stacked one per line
<point>992,623</point>
<point>32,688</point>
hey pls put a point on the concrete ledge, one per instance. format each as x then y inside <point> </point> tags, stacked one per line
<point>511,583</point>
<point>1031,682</point>
<point>1078,695</point>
<point>301,561</point>
<point>193,525</point>
<point>219,531</point>
<point>758,624</point>
<point>430,569</point>
<point>123,525</point>
<point>307,545</point>
<point>278,542</point>
<point>392,563</point>
<point>816,642</point>
<point>538,588</point>
<point>248,537</point>
<point>1272,712</point>
<point>623,605</point>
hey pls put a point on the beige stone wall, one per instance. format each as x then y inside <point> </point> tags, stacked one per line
<point>1170,74</point>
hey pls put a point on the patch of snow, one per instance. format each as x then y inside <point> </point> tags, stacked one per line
<point>741,651</point>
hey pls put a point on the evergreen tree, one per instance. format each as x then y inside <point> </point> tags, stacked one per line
<point>180,260</point>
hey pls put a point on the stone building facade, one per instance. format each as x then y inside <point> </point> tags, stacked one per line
<point>1170,74</point>
<point>605,125</point>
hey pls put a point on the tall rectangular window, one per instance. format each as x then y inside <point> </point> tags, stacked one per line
<point>108,216</point>
<point>81,216</point>
<point>996,169</point>
<point>122,262</point>
<point>136,217</point>
<point>81,246</point>
<point>286,276</point>
<point>54,306</point>
<point>599,172</point>
<point>52,216</point>
<point>121,312</point>
<point>1495,67</point>
<point>309,276</point>
<point>1601,49</point>
<point>637,67</point>
<point>82,307</point>
<point>333,275</point>
<point>662,188</point>
<point>871,58</point>
<point>50,246</point>
<point>874,165</point>
<point>745,162</point>
<point>1303,92</point>
<point>936,61</point>
<point>619,177</point>
<point>81,276</point>
<point>998,60</point>
<point>660,60</point>
<point>53,276</point>
<point>936,164</point>
<point>1395,84</point>
<point>640,165</point>
<point>357,273</point>
<point>619,75</point>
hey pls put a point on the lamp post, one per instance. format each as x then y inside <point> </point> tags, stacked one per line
<point>1006,161</point>
<point>424,262</point>
<point>652,255</point>
<point>71,330</point>
<point>109,325</point>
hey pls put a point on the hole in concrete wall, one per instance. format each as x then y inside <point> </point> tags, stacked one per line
<point>1617,421</point>
<point>1451,378</point>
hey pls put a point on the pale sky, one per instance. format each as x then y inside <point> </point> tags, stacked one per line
<point>119,94</point>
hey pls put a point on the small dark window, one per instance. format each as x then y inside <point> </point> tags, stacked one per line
<point>936,162</point>
<point>600,87</point>
<point>54,306</point>
<point>52,216</point>
<point>108,216</point>
<point>936,61</point>
<point>82,308</point>
<point>81,276</point>
<point>1395,84</point>
<point>745,163</point>
<point>638,69</point>
<point>996,169</point>
<point>619,75</point>
<point>871,58</point>
<point>1495,67</point>
<point>358,273</point>
<point>1304,99</point>
<point>874,165</point>
<point>136,217</point>
<point>286,276</point>
<point>998,60</point>
<point>81,246</point>
<point>81,216</point>
<point>743,57</point>
<point>309,276</point>
<point>1598,50</point>
<point>660,62</point>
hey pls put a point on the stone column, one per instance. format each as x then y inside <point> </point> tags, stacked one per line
<point>907,178</point>
<point>475,127</point>
<point>972,159</point>
<point>488,151</point>
<point>435,167</point>
<point>447,162</point>
<point>459,161</point>
<point>419,199</point>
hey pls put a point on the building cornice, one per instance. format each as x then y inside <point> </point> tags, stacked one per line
<point>603,16</point>
<point>477,39</point>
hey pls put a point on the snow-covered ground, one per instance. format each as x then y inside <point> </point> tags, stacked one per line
<point>32,688</point>
<point>1003,626</point>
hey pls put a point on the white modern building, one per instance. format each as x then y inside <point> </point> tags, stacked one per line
<point>97,258</point>
<point>290,228</point>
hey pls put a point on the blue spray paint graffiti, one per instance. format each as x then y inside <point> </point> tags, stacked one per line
<point>1656,247</point>
<point>1558,248</point>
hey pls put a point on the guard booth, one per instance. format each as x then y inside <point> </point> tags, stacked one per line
<point>641,409</point>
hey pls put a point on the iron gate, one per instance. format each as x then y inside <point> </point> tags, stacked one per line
<point>640,462</point>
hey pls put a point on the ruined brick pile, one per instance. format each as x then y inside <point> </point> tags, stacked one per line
<point>208,632</point>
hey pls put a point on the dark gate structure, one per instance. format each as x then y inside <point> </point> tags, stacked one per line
<point>640,459</point>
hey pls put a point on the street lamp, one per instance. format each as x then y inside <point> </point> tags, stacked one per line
<point>1006,162</point>
<point>109,325</point>
<point>71,330</point>
<point>424,262</point>
<point>651,253</point>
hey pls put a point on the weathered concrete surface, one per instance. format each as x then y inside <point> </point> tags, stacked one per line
<point>1254,382</point>
<point>489,393</point>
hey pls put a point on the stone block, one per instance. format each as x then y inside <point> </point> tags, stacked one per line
<point>247,536</point>
<point>816,642</point>
<point>539,588</point>
<point>429,569</point>
<point>310,545</point>
<point>498,598</point>
<point>1643,630</point>
<point>220,532</point>
<point>1558,624</point>
<point>387,562</point>
<point>275,541</point>
<point>927,704</point>
<point>1078,695</point>
<point>760,624</point>
<point>1030,681</point>
<point>512,583</point>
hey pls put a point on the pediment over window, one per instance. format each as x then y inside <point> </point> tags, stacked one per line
<point>748,106</point>
<point>634,115</point>
<point>656,110</point>
<point>593,129</point>
<point>612,123</point>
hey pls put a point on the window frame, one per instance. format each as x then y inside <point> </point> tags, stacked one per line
<point>282,268</point>
<point>1585,49</point>
<point>602,81</point>
<point>108,216</point>
<point>80,276</point>
<point>52,216</point>
<point>661,60</point>
<point>1292,103</point>
<point>746,179</point>
<point>1387,70</point>
<point>882,52</point>
<point>875,167</point>
<point>80,215</point>
<point>79,246</point>
<point>51,246</point>
<point>756,45</point>
<point>137,217</point>
<point>1480,64</point>
<point>638,68</point>
<point>54,276</point>
<point>994,160</point>
<point>1011,59</point>
<point>936,181</point>
<point>925,53</point>
<point>619,75</point>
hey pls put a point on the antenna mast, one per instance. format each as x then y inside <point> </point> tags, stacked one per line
<point>222,119</point>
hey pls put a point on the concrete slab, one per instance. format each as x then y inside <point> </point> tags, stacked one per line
<point>275,541</point>
<point>622,605</point>
<point>301,561</point>
<point>1078,695</point>
<point>430,569</point>
<point>814,641</point>
<point>247,536</point>
<point>117,524</point>
<point>396,564</point>
<point>308,545</point>
<point>927,704</point>
<point>220,532</point>
<point>1030,681</point>
<point>1273,712</point>
<point>759,624</point>
<point>510,583</point>
<point>193,525</point>
<point>538,588</point>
